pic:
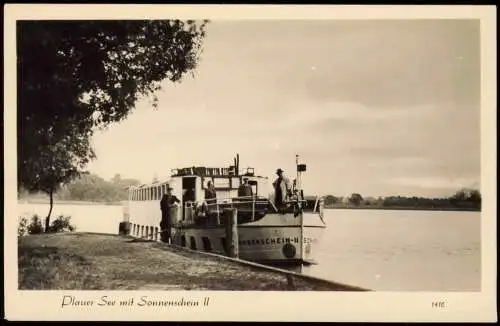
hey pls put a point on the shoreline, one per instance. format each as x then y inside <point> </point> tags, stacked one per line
<point>365,207</point>
<point>403,208</point>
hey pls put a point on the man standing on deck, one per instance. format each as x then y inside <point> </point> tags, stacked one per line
<point>168,200</point>
<point>281,188</point>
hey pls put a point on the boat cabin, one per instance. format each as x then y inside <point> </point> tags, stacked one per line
<point>191,183</point>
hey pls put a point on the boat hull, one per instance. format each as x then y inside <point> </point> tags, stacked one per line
<point>276,239</point>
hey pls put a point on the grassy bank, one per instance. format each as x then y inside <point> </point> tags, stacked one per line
<point>83,261</point>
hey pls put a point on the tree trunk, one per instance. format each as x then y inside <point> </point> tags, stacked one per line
<point>47,219</point>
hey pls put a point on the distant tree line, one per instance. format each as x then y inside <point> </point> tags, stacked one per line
<point>89,187</point>
<point>463,199</point>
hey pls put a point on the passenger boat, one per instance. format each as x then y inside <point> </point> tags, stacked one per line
<point>266,233</point>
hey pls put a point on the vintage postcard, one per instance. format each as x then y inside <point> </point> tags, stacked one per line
<point>250,163</point>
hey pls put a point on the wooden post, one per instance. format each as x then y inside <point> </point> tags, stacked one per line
<point>231,219</point>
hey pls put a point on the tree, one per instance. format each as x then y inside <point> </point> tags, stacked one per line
<point>330,200</point>
<point>355,199</point>
<point>116,178</point>
<point>475,198</point>
<point>467,197</point>
<point>61,162</point>
<point>75,76</point>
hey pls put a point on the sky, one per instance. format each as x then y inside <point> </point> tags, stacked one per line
<point>374,107</point>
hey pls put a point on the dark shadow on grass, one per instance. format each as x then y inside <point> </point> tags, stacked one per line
<point>40,268</point>
<point>140,240</point>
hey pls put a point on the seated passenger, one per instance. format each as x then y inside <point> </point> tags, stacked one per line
<point>245,190</point>
<point>210,197</point>
<point>210,193</point>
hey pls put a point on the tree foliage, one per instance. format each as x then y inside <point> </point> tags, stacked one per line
<point>330,200</point>
<point>61,161</point>
<point>94,188</point>
<point>355,199</point>
<point>75,76</point>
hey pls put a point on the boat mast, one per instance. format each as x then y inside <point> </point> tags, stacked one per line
<point>299,186</point>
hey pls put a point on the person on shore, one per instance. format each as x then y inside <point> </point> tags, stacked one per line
<point>281,188</point>
<point>167,202</point>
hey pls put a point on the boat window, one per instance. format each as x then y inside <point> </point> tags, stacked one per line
<point>235,183</point>
<point>221,183</point>
<point>151,193</point>
<point>158,192</point>
<point>206,244</point>
<point>205,182</point>
<point>183,241</point>
<point>189,188</point>
<point>223,243</point>
<point>193,243</point>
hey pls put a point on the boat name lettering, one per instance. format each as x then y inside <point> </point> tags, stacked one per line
<point>252,242</point>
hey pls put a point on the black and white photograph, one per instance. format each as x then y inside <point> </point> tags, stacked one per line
<point>157,162</point>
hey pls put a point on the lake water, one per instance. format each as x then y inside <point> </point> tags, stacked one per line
<point>391,250</point>
<point>395,250</point>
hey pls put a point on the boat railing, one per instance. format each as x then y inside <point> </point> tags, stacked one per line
<point>238,202</point>
<point>235,202</point>
<point>250,208</point>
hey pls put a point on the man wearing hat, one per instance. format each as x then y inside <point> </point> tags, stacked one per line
<point>281,188</point>
<point>167,201</point>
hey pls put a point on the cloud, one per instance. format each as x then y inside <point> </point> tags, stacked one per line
<point>387,103</point>
<point>397,63</point>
